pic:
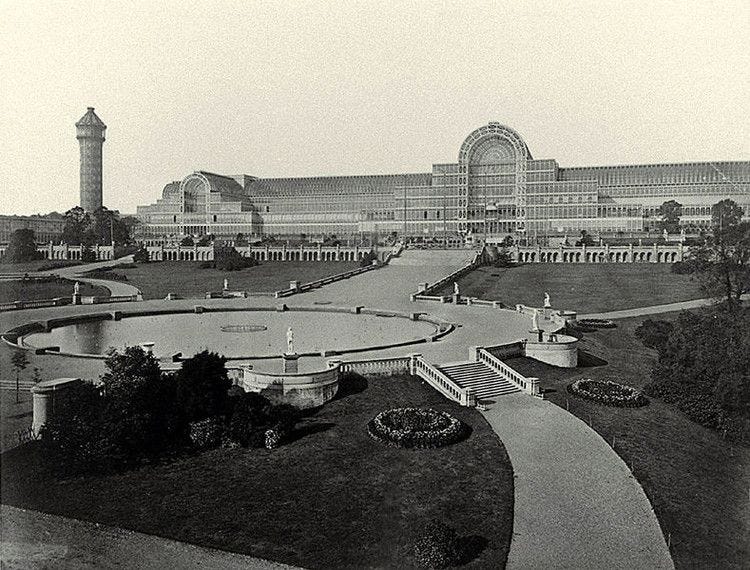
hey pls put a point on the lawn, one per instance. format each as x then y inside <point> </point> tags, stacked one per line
<point>187,279</point>
<point>32,290</point>
<point>586,288</point>
<point>36,265</point>
<point>332,498</point>
<point>697,482</point>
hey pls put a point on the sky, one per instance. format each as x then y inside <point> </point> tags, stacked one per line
<point>283,89</point>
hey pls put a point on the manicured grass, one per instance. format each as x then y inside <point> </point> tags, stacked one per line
<point>586,288</point>
<point>333,498</point>
<point>33,290</point>
<point>187,279</point>
<point>697,482</point>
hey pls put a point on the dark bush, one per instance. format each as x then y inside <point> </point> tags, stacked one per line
<point>206,433</point>
<point>654,334</point>
<point>141,256</point>
<point>228,259</point>
<point>251,416</point>
<point>202,385</point>
<point>437,546</point>
<point>87,254</point>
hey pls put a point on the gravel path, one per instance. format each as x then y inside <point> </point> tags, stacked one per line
<point>577,505</point>
<point>655,309</point>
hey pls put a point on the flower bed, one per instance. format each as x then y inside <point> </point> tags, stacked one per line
<point>416,428</point>
<point>596,323</point>
<point>608,392</point>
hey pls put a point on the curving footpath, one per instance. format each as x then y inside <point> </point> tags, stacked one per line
<point>656,309</point>
<point>577,505</point>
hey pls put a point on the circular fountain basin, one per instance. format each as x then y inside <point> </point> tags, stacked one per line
<point>236,335</point>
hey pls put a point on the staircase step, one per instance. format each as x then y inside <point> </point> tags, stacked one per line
<point>480,379</point>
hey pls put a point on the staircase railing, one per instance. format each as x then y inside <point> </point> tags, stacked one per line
<point>529,385</point>
<point>442,383</point>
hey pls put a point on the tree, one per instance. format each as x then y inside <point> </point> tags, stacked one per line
<point>77,224</point>
<point>202,385</point>
<point>240,240</point>
<point>205,240</point>
<point>187,241</point>
<point>670,212</point>
<point>586,239</point>
<point>503,259</point>
<point>722,262</point>
<point>726,214</point>
<point>20,362</point>
<point>141,256</point>
<point>106,227</point>
<point>22,247</point>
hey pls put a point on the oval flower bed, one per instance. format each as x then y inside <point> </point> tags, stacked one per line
<point>416,428</point>
<point>596,323</point>
<point>608,392</point>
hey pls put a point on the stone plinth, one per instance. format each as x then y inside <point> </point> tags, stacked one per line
<point>46,395</point>
<point>289,363</point>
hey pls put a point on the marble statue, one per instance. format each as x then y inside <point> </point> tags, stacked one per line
<point>666,234</point>
<point>77,288</point>
<point>535,320</point>
<point>547,302</point>
<point>290,341</point>
<point>455,288</point>
<point>226,284</point>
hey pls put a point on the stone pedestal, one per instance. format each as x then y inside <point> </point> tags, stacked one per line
<point>45,395</point>
<point>539,334</point>
<point>76,298</point>
<point>289,363</point>
<point>456,298</point>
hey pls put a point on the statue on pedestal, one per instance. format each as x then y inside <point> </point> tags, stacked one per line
<point>535,320</point>
<point>547,302</point>
<point>290,341</point>
<point>666,234</point>
<point>77,288</point>
<point>455,288</point>
<point>226,284</point>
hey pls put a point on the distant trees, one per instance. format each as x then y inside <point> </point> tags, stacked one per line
<point>240,240</point>
<point>670,212</point>
<point>187,241</point>
<point>229,259</point>
<point>722,261</point>
<point>22,247</point>
<point>586,239</point>
<point>102,227</point>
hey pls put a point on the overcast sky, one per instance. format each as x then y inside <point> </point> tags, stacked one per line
<point>277,89</point>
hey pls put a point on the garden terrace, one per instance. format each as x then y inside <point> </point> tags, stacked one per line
<point>33,290</point>
<point>579,287</point>
<point>156,280</point>
<point>298,504</point>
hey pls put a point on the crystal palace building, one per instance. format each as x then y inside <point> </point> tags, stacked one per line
<point>495,188</point>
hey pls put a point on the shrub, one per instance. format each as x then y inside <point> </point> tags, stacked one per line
<point>206,434</point>
<point>654,334</point>
<point>416,428</point>
<point>608,393</point>
<point>252,416</point>
<point>141,256</point>
<point>87,254</point>
<point>437,546</point>
<point>202,385</point>
<point>228,259</point>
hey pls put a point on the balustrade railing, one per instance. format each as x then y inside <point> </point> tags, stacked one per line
<point>441,382</point>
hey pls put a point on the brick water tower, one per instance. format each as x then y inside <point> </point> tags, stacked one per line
<point>90,134</point>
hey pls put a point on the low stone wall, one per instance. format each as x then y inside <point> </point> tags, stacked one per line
<point>303,389</point>
<point>296,288</point>
<point>562,351</point>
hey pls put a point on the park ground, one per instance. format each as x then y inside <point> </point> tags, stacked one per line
<point>331,498</point>
<point>697,482</point>
<point>586,288</point>
<point>157,279</point>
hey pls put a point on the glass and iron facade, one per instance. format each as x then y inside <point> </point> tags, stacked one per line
<point>496,188</point>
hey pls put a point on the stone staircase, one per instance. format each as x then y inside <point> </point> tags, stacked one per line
<point>481,379</point>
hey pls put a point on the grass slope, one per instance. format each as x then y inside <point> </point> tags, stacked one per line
<point>186,278</point>
<point>697,482</point>
<point>32,290</point>
<point>586,288</point>
<point>334,498</point>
